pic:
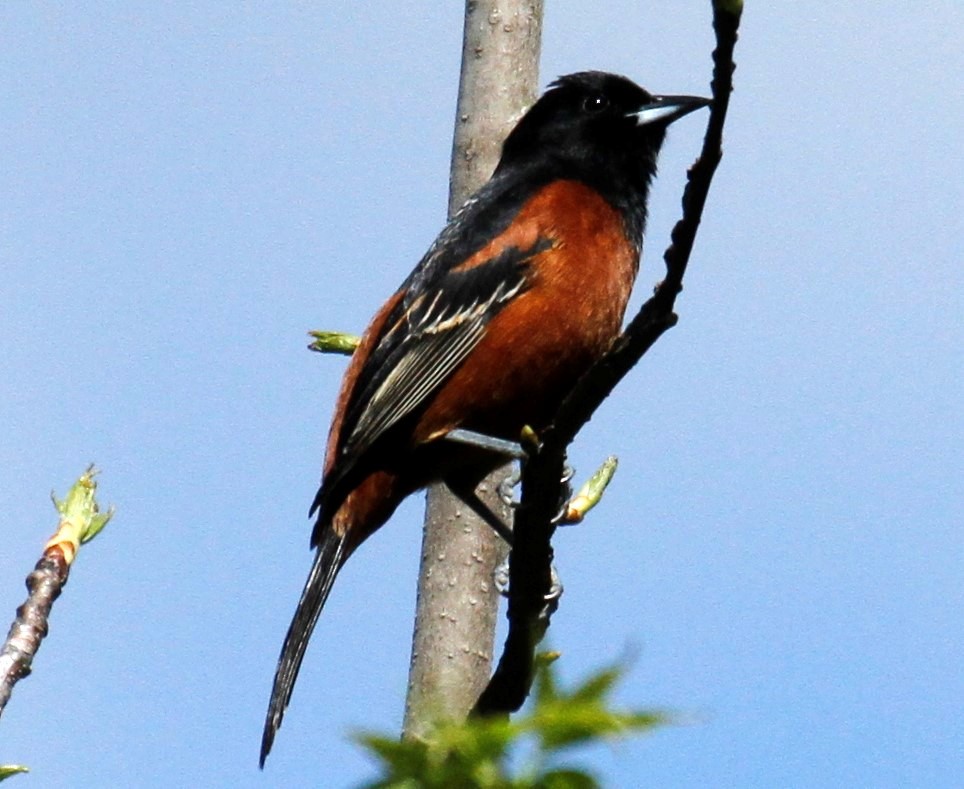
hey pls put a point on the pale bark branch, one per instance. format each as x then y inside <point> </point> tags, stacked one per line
<point>457,604</point>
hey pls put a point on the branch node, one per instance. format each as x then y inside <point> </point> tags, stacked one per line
<point>590,494</point>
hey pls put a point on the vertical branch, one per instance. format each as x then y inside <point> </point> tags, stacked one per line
<point>499,81</point>
<point>457,604</point>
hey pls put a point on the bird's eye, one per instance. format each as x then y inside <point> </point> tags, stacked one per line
<point>595,103</point>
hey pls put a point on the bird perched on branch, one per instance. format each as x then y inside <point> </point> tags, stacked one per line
<point>521,292</point>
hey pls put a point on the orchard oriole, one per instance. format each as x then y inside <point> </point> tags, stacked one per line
<point>521,292</point>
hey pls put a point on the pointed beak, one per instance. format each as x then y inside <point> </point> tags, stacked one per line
<point>666,109</point>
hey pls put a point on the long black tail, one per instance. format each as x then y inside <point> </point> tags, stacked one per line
<point>329,559</point>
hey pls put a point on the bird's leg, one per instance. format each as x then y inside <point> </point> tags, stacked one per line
<point>515,451</point>
<point>501,574</point>
<point>512,450</point>
<point>501,579</point>
<point>500,446</point>
<point>565,493</point>
<point>466,493</point>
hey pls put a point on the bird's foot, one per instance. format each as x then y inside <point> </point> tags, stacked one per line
<point>508,485</point>
<point>511,482</point>
<point>500,446</point>
<point>501,579</point>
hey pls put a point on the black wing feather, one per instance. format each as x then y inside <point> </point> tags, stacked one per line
<point>439,332</point>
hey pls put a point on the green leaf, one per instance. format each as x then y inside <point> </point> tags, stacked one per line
<point>566,779</point>
<point>598,685</point>
<point>401,757</point>
<point>584,713</point>
<point>80,516</point>
<point>545,681</point>
<point>483,752</point>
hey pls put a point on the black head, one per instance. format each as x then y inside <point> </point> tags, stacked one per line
<point>593,114</point>
<point>597,127</point>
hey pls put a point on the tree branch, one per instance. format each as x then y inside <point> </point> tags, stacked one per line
<point>80,521</point>
<point>457,606</point>
<point>529,562</point>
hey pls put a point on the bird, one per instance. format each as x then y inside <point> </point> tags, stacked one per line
<point>521,292</point>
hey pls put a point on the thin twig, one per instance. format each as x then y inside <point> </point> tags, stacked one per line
<point>80,521</point>
<point>529,562</point>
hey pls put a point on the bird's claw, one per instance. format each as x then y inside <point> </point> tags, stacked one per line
<point>565,496</point>
<point>500,577</point>
<point>501,580</point>
<point>507,486</point>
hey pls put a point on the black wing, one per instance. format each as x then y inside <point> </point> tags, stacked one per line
<point>439,327</point>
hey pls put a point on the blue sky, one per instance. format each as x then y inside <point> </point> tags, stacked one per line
<point>188,188</point>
